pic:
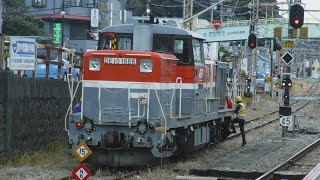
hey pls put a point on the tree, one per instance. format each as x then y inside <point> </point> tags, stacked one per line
<point>17,21</point>
<point>226,54</point>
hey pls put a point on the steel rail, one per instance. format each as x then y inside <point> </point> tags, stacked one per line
<point>294,158</point>
<point>273,112</point>
<point>271,121</point>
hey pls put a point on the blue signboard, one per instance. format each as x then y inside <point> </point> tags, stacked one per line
<point>22,53</point>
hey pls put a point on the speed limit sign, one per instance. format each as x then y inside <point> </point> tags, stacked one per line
<point>82,151</point>
<point>286,120</point>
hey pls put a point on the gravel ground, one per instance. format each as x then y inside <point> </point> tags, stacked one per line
<point>203,159</point>
<point>291,145</point>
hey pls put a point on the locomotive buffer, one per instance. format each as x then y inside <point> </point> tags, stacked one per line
<point>285,110</point>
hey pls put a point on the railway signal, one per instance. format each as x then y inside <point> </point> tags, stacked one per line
<point>287,58</point>
<point>248,93</point>
<point>296,16</point>
<point>252,41</point>
<point>286,84</point>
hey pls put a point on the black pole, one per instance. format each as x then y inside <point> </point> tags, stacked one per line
<point>271,60</point>
<point>62,29</point>
<point>62,23</point>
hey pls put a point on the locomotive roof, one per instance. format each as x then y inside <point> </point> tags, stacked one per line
<point>155,28</point>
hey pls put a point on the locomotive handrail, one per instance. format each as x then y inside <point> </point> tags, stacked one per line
<point>210,86</point>
<point>174,90</point>
<point>211,79</point>
<point>99,96</point>
<point>129,102</point>
<point>155,90</point>
<point>70,105</point>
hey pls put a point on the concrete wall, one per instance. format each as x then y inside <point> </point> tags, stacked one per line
<point>31,113</point>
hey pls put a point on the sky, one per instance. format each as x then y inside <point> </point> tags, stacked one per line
<point>308,5</point>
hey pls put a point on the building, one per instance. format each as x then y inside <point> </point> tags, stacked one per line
<point>76,30</point>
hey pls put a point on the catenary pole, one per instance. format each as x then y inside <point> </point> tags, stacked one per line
<point>1,39</point>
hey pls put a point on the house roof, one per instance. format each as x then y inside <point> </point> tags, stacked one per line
<point>66,16</point>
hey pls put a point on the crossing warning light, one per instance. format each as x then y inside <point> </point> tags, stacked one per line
<point>252,41</point>
<point>296,16</point>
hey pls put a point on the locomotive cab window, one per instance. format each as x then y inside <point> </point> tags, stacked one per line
<point>182,51</point>
<point>198,54</point>
<point>162,43</point>
<point>105,41</point>
<point>124,41</point>
<point>120,42</point>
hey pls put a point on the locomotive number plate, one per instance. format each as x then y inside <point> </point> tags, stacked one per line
<point>126,61</point>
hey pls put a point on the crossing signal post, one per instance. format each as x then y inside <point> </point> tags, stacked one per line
<point>296,16</point>
<point>252,41</point>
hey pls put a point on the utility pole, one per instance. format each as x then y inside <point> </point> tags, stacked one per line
<point>1,40</point>
<point>252,60</point>
<point>211,12</point>
<point>103,10</point>
<point>296,18</point>
<point>221,18</point>
<point>187,13</point>
<point>124,3</point>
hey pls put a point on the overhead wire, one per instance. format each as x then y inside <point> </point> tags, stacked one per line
<point>313,16</point>
<point>167,6</point>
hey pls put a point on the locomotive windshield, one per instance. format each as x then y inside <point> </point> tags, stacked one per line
<point>177,45</point>
<point>115,41</point>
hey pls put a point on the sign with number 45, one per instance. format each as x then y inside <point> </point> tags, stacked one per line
<point>286,120</point>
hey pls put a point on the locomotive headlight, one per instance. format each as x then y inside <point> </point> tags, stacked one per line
<point>146,65</point>
<point>94,64</point>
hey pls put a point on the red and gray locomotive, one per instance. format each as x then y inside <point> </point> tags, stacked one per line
<point>148,94</point>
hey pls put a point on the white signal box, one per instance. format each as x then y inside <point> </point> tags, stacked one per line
<point>82,151</point>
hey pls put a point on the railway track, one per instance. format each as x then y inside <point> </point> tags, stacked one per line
<point>292,161</point>
<point>252,121</point>
<point>257,125</point>
<point>276,111</point>
<point>284,168</point>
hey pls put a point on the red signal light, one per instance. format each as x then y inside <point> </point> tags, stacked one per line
<point>276,72</point>
<point>252,41</point>
<point>78,125</point>
<point>296,16</point>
